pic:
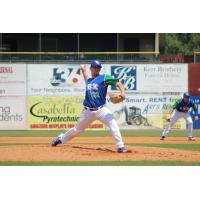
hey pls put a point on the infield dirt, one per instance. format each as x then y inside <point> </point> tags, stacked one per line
<point>36,149</point>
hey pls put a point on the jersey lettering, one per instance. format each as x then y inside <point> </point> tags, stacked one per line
<point>92,86</point>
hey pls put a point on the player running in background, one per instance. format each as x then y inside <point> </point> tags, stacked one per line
<point>94,106</point>
<point>181,109</point>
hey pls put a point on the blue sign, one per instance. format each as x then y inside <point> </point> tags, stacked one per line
<point>127,76</point>
<point>196,124</point>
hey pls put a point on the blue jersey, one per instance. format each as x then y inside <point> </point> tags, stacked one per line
<point>96,90</point>
<point>181,106</point>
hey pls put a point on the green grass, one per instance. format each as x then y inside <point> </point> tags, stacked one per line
<point>23,144</point>
<point>52,133</point>
<point>192,147</point>
<point>104,163</point>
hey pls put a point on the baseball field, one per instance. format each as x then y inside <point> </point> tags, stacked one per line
<point>97,148</point>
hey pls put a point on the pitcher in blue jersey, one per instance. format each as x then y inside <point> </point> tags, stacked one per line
<point>94,106</point>
<point>181,109</point>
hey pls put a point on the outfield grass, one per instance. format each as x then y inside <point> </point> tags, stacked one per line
<point>104,163</point>
<point>135,133</point>
<point>23,144</point>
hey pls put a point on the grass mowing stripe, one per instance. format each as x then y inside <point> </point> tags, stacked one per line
<point>192,147</point>
<point>74,144</point>
<point>104,163</point>
<point>53,133</point>
<point>22,144</point>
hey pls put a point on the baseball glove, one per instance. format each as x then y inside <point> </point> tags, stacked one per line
<point>168,119</point>
<point>116,98</point>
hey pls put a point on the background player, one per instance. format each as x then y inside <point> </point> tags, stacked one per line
<point>94,106</point>
<point>181,109</point>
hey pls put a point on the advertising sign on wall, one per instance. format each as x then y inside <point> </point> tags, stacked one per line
<point>12,113</point>
<point>126,75</point>
<point>152,78</point>
<point>67,80</point>
<point>163,77</point>
<point>12,79</point>
<point>144,112</point>
<point>52,112</point>
<point>55,80</point>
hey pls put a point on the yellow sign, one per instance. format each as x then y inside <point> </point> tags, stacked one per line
<point>50,112</point>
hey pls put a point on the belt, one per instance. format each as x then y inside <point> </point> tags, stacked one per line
<point>182,111</point>
<point>93,109</point>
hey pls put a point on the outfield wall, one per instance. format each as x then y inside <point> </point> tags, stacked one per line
<point>50,96</point>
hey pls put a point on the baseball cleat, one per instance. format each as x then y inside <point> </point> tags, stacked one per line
<point>56,142</point>
<point>122,150</point>
<point>191,139</point>
<point>162,138</point>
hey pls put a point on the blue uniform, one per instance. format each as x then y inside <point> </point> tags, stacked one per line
<point>181,110</point>
<point>95,98</point>
<point>96,90</point>
<point>181,106</point>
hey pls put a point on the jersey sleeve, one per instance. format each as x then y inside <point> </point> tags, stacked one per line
<point>194,108</point>
<point>174,106</point>
<point>109,80</point>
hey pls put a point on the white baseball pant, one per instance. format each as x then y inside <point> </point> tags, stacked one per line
<point>87,117</point>
<point>177,115</point>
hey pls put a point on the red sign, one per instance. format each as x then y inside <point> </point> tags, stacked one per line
<point>194,79</point>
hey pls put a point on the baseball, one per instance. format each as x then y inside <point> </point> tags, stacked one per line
<point>83,68</point>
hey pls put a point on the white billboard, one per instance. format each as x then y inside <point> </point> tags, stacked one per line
<point>66,79</point>
<point>12,79</point>
<point>163,77</point>
<point>55,80</point>
<point>152,78</point>
<point>12,113</point>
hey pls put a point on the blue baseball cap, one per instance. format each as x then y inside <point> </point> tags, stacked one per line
<point>186,94</point>
<point>96,63</point>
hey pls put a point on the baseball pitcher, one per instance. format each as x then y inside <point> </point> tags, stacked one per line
<point>94,106</point>
<point>181,109</point>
